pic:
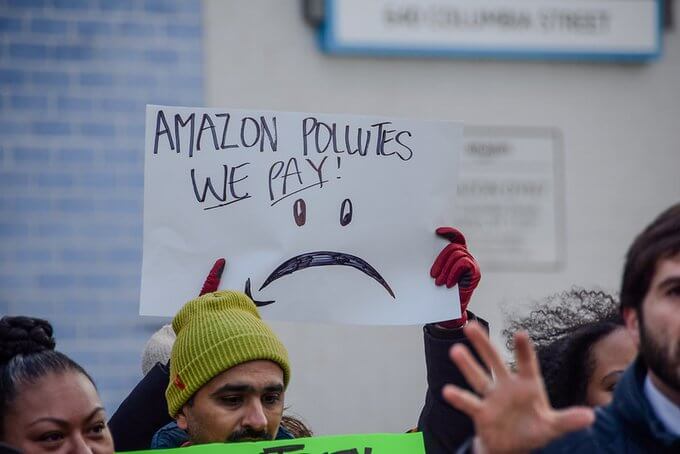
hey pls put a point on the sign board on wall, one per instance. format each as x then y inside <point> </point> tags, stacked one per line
<point>511,197</point>
<point>322,217</point>
<point>537,29</point>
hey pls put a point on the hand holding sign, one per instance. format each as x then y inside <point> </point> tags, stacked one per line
<point>212,282</point>
<point>456,266</point>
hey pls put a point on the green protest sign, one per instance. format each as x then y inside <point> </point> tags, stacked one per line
<point>336,444</point>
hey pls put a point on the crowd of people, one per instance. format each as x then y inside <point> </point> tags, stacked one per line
<point>604,375</point>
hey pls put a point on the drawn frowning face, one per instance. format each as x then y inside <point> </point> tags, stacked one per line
<point>320,258</point>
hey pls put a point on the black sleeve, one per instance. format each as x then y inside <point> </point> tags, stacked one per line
<point>142,413</point>
<point>444,428</point>
<point>7,449</point>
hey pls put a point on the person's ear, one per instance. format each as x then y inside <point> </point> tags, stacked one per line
<point>630,317</point>
<point>181,419</point>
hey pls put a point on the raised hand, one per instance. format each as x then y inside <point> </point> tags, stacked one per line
<point>512,413</point>
<point>456,266</point>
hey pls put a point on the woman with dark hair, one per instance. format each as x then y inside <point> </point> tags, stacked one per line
<point>48,403</point>
<point>581,343</point>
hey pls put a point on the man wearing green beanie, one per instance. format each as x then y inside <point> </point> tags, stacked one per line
<point>228,371</point>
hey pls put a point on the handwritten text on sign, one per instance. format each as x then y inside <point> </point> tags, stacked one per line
<point>286,198</point>
<point>411,443</point>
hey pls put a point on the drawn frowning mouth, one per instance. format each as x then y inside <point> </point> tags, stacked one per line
<point>319,258</point>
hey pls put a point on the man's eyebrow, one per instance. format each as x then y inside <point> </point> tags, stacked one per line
<point>233,389</point>
<point>669,282</point>
<point>245,388</point>
<point>274,388</point>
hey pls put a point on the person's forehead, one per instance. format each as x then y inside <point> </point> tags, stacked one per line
<point>64,395</point>
<point>667,268</point>
<point>614,350</point>
<point>258,374</point>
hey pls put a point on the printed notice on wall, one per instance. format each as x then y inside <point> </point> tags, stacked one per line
<point>511,197</point>
<point>321,217</point>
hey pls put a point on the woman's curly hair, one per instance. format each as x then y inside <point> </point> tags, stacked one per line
<point>564,328</point>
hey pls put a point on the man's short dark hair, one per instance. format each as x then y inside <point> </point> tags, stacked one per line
<point>660,240</point>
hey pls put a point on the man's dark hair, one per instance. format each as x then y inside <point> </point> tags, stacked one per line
<point>660,240</point>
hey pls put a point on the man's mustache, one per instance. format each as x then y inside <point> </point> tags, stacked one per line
<point>248,434</point>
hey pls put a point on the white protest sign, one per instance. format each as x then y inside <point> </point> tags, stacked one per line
<point>326,217</point>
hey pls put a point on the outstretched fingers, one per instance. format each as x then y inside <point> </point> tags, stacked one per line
<point>461,399</point>
<point>527,363</point>
<point>482,344</point>
<point>572,419</point>
<point>476,376</point>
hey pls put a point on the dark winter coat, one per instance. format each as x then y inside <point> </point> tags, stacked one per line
<point>171,436</point>
<point>444,428</point>
<point>142,413</point>
<point>627,425</point>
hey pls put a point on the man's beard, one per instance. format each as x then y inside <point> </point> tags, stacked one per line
<point>660,358</point>
<point>248,434</point>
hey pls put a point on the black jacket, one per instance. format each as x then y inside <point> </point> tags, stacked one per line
<point>444,428</point>
<point>627,425</point>
<point>142,413</point>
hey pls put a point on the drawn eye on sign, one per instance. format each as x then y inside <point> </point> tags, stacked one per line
<point>346,212</point>
<point>308,208</point>
<point>300,212</point>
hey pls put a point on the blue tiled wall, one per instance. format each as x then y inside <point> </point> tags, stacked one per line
<point>75,76</point>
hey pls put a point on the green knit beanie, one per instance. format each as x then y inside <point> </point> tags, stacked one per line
<point>216,332</point>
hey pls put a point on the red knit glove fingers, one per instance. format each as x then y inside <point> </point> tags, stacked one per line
<point>465,269</point>
<point>212,282</point>
<point>453,235</point>
<point>442,258</point>
<point>464,295</point>
<point>458,268</point>
<point>455,265</point>
<point>452,264</point>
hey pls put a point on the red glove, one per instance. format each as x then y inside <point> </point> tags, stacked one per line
<point>213,280</point>
<point>455,265</point>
